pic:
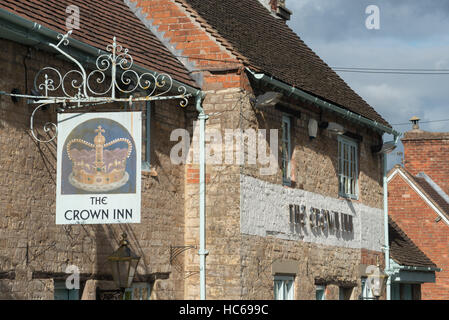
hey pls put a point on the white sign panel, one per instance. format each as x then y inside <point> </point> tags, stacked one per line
<point>99,168</point>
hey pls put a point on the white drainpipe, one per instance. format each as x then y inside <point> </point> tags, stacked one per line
<point>386,237</point>
<point>202,117</point>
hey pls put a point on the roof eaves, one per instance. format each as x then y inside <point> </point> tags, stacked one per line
<point>82,47</point>
<point>434,186</point>
<point>405,237</point>
<point>292,90</point>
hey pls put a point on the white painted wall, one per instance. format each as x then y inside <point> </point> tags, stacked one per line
<point>264,210</point>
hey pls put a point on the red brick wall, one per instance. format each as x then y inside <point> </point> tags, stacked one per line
<point>417,220</point>
<point>203,47</point>
<point>369,257</point>
<point>430,157</point>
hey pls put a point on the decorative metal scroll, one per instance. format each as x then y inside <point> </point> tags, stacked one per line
<point>77,88</point>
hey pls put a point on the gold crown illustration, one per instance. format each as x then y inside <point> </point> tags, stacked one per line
<point>99,169</point>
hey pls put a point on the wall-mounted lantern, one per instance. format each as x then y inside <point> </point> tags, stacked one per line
<point>123,263</point>
<point>377,279</point>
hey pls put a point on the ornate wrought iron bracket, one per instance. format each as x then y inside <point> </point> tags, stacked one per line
<point>75,89</point>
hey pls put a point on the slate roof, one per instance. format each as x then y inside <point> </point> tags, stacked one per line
<point>100,21</point>
<point>403,250</point>
<point>269,45</point>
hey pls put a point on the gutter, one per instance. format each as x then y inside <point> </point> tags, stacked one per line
<point>35,32</point>
<point>323,104</point>
<point>424,269</point>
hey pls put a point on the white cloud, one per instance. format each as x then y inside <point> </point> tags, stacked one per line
<point>413,35</point>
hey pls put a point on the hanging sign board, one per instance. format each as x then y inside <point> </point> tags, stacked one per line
<point>98,168</point>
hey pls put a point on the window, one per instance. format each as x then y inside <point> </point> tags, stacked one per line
<point>320,292</point>
<point>367,293</point>
<point>405,291</point>
<point>347,167</point>
<point>138,291</point>
<point>284,287</point>
<point>62,293</point>
<point>345,293</point>
<point>286,150</point>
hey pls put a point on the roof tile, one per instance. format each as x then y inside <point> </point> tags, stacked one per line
<point>272,47</point>
<point>100,21</point>
<point>403,250</point>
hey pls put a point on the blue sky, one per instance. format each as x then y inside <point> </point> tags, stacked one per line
<point>413,34</point>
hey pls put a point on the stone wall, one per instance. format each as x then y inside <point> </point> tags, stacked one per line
<point>233,251</point>
<point>317,265</point>
<point>33,249</point>
<point>229,103</point>
<point>222,208</point>
<point>31,244</point>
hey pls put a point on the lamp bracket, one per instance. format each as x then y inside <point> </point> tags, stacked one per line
<point>177,250</point>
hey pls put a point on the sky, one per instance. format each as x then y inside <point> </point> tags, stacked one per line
<point>412,34</point>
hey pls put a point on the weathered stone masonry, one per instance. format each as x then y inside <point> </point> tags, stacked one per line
<point>239,264</point>
<point>33,250</point>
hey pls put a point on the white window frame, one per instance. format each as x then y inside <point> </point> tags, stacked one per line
<point>284,287</point>
<point>286,143</point>
<point>348,168</point>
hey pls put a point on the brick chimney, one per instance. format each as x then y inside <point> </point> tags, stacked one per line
<point>427,152</point>
<point>277,8</point>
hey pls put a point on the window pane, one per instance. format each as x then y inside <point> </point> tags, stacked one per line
<point>284,288</point>
<point>320,294</point>
<point>347,167</point>
<point>289,293</point>
<point>277,290</point>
